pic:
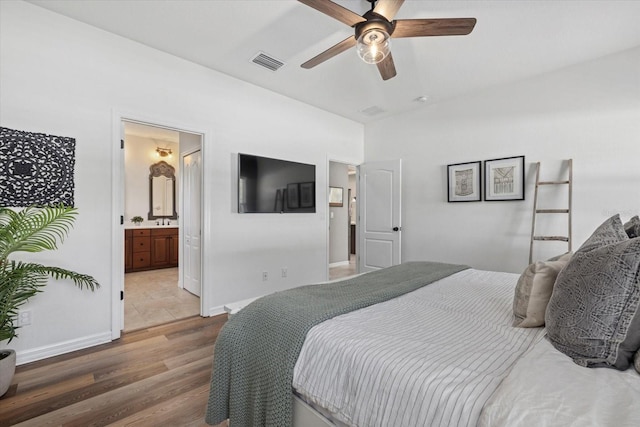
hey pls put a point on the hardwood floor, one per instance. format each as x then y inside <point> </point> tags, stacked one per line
<point>157,376</point>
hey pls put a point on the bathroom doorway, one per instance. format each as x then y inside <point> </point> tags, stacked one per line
<point>342,221</point>
<point>158,194</point>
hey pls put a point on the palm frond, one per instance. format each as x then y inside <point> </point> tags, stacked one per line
<point>80,280</point>
<point>34,229</point>
<point>19,281</point>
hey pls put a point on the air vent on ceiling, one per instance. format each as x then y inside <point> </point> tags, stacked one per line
<point>267,61</point>
<point>372,111</point>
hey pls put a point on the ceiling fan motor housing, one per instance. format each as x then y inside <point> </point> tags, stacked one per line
<point>374,29</point>
<point>374,21</point>
<point>373,38</point>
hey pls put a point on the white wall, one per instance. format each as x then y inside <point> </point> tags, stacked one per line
<point>589,112</point>
<point>189,142</point>
<point>61,77</point>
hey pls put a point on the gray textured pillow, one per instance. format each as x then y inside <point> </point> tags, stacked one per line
<point>533,291</point>
<point>564,257</point>
<point>610,231</point>
<point>636,361</point>
<point>593,315</point>
<point>632,227</point>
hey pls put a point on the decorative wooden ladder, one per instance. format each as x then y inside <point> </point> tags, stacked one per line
<point>536,211</point>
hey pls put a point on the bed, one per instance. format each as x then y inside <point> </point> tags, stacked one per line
<point>433,346</point>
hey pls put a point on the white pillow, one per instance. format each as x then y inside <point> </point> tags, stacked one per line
<point>533,292</point>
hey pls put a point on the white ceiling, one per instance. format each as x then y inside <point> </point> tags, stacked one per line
<point>512,40</point>
<point>158,134</point>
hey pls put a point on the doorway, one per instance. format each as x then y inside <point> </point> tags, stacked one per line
<point>342,220</point>
<point>169,201</point>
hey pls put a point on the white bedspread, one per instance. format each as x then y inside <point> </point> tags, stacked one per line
<point>545,388</point>
<point>429,358</point>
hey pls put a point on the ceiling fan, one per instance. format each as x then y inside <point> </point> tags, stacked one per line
<point>374,29</point>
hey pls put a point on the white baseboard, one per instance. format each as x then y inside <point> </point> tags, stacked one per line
<point>44,352</point>
<point>234,307</point>
<point>214,311</point>
<point>338,264</point>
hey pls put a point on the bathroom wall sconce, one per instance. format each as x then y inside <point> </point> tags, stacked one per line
<point>163,152</point>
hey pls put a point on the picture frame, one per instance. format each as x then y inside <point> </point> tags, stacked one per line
<point>504,179</point>
<point>336,196</point>
<point>463,182</point>
<point>293,196</point>
<point>307,194</point>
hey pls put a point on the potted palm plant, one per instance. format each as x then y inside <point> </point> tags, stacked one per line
<point>33,229</point>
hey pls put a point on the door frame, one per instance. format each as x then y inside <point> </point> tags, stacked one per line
<point>328,214</point>
<point>117,207</point>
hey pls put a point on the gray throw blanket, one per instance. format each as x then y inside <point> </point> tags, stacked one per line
<point>257,349</point>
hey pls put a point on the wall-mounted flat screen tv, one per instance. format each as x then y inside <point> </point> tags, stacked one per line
<point>268,185</point>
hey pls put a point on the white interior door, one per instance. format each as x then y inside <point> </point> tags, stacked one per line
<point>379,199</point>
<point>191,222</point>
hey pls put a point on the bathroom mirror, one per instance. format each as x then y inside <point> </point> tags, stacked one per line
<point>162,191</point>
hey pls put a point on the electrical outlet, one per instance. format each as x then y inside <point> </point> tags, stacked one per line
<point>284,272</point>
<point>24,318</point>
<point>265,276</point>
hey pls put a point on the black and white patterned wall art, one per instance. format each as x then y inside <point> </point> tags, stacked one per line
<point>35,169</point>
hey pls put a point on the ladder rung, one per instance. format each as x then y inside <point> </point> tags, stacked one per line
<point>567,182</point>
<point>558,238</point>
<point>552,182</point>
<point>552,210</point>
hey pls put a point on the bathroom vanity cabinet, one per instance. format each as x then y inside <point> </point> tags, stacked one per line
<point>150,248</point>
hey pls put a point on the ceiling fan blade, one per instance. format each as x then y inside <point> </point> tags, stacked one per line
<point>335,11</point>
<point>388,8</point>
<point>387,68</point>
<point>331,52</point>
<point>433,27</point>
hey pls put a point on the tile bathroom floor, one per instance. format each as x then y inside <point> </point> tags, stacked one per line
<point>344,271</point>
<point>153,297</point>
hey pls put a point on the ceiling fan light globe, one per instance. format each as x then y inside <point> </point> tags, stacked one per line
<point>373,45</point>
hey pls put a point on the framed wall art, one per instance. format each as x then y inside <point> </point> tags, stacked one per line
<point>336,196</point>
<point>463,182</point>
<point>307,194</point>
<point>504,179</point>
<point>293,196</point>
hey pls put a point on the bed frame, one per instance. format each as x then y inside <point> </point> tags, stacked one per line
<point>305,416</point>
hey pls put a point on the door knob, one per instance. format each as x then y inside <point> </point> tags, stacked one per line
<point>396,228</point>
